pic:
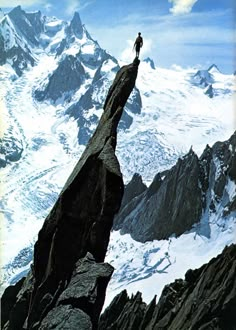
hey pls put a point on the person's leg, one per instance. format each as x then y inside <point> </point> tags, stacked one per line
<point>137,50</point>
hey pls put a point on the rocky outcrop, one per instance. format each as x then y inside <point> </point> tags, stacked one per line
<point>11,149</point>
<point>134,188</point>
<point>66,287</point>
<point>130,199</point>
<point>177,198</point>
<point>209,91</point>
<point>205,79</point>
<point>206,299</point>
<point>67,78</point>
<point>169,206</point>
<point>20,57</point>
<point>151,62</point>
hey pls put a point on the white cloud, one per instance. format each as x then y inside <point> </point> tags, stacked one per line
<point>48,7</point>
<point>72,6</point>
<point>181,7</point>
<point>128,54</point>
<point>77,5</point>
<point>23,3</point>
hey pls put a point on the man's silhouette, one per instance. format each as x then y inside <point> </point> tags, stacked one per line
<point>138,44</point>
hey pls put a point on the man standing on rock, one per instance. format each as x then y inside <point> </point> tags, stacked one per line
<point>138,44</point>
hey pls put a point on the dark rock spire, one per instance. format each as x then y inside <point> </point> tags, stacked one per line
<point>68,278</point>
<point>75,26</point>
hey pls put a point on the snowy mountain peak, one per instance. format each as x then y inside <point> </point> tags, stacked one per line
<point>76,27</point>
<point>17,10</point>
<point>30,25</point>
<point>151,62</point>
<point>213,69</point>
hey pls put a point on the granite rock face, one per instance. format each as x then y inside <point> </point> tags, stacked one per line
<point>29,24</point>
<point>177,198</point>
<point>206,299</point>
<point>169,206</point>
<point>69,278</point>
<point>68,77</point>
<point>130,199</point>
<point>134,188</point>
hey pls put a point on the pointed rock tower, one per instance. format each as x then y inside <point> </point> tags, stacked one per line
<point>67,284</point>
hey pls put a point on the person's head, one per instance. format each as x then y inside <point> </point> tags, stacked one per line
<point>139,33</point>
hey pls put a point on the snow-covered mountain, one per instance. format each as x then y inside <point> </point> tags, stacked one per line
<point>54,79</point>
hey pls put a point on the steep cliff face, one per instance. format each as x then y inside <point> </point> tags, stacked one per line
<point>171,205</point>
<point>180,198</point>
<point>206,299</point>
<point>66,286</point>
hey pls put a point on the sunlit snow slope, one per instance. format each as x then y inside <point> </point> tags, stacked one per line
<point>148,267</point>
<point>176,114</point>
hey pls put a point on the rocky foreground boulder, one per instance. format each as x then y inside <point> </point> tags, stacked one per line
<point>65,288</point>
<point>204,300</point>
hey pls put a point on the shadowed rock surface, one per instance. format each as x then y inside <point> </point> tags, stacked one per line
<point>177,198</point>
<point>68,278</point>
<point>130,199</point>
<point>169,206</point>
<point>134,188</point>
<point>29,25</point>
<point>151,62</point>
<point>206,299</point>
<point>68,77</point>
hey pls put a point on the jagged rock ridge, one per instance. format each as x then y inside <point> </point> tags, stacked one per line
<point>177,199</point>
<point>205,79</point>
<point>66,287</point>
<point>206,299</point>
<point>151,62</point>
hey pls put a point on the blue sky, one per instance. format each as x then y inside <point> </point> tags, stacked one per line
<point>176,32</point>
